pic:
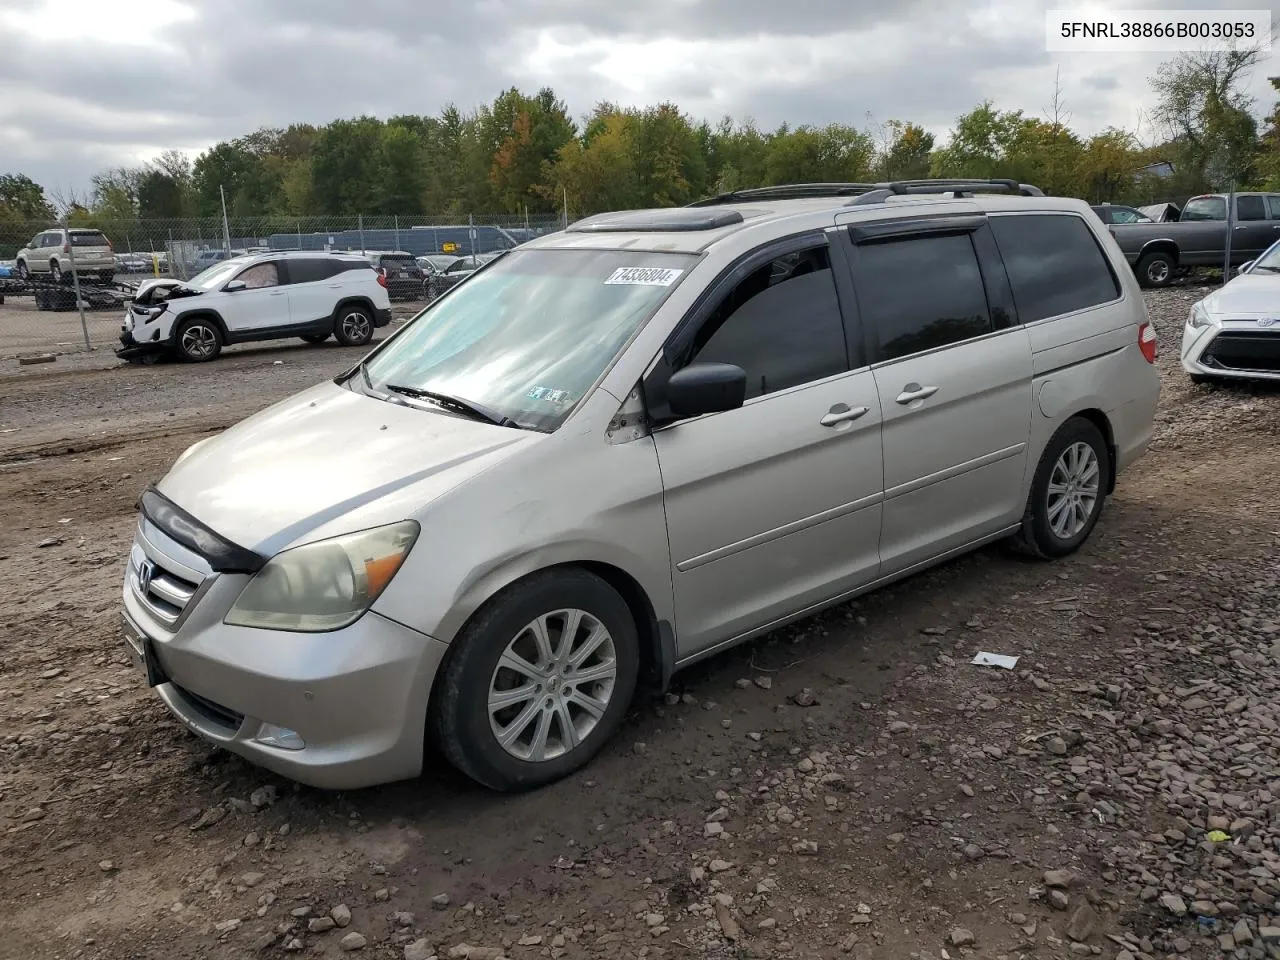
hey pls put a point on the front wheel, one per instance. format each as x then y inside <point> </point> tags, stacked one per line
<point>315,337</point>
<point>198,340</point>
<point>1067,492</point>
<point>354,327</point>
<point>55,271</point>
<point>23,273</point>
<point>538,682</point>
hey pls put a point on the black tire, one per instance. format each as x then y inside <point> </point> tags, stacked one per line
<point>1156,269</point>
<point>197,340</point>
<point>24,274</point>
<point>1037,538</point>
<point>352,325</point>
<point>315,337</point>
<point>459,717</point>
<point>106,276</point>
<point>55,271</point>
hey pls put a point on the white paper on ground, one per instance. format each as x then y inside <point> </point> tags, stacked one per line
<point>995,660</point>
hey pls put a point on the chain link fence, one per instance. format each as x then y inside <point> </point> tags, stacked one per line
<point>62,292</point>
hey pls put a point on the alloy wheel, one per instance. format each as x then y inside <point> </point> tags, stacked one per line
<point>552,685</point>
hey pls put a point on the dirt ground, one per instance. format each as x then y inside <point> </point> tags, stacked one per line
<point>851,786</point>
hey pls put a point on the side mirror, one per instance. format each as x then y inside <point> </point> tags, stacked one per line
<point>706,388</point>
<point>1245,267</point>
<point>234,285</point>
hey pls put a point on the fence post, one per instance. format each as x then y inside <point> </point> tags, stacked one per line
<point>75,280</point>
<point>360,222</point>
<point>397,223</point>
<point>1231,220</point>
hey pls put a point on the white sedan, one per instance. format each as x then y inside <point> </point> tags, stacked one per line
<point>1234,332</point>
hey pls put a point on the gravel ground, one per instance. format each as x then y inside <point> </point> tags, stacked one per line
<point>851,786</point>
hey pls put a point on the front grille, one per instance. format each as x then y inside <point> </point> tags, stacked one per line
<point>211,711</point>
<point>1244,351</point>
<point>165,586</point>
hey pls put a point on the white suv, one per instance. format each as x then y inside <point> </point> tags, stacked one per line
<point>49,254</point>
<point>263,296</point>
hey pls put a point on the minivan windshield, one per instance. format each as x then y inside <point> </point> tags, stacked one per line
<point>527,336</point>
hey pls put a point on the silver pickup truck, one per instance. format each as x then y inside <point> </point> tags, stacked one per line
<point>1198,238</point>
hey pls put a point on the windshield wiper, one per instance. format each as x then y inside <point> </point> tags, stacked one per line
<point>469,407</point>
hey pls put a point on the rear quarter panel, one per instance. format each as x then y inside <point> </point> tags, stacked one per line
<point>1089,360</point>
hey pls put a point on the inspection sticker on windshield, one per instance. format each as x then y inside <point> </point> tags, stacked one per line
<point>645,276</point>
<point>551,396</point>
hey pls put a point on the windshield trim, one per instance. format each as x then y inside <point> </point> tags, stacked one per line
<point>695,258</point>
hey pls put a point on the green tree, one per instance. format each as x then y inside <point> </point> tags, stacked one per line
<point>346,161</point>
<point>1205,113</point>
<point>833,154</point>
<point>1269,146</point>
<point>906,152</point>
<point>528,133</point>
<point>21,198</point>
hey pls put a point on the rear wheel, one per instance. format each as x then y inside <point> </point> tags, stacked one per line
<point>55,271</point>
<point>1067,492</point>
<point>198,340</point>
<point>538,681</point>
<point>354,327</point>
<point>1156,269</point>
<point>23,272</point>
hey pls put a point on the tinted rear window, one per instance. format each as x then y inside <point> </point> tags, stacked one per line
<point>1054,264</point>
<point>1205,208</point>
<point>312,269</point>
<point>94,239</point>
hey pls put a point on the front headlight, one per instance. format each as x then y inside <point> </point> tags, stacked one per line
<point>1199,317</point>
<point>325,585</point>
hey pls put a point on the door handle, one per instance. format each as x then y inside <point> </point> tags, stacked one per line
<point>913,391</point>
<point>843,416</point>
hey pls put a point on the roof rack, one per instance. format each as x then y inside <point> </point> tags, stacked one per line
<point>787,191</point>
<point>865,193</point>
<point>956,187</point>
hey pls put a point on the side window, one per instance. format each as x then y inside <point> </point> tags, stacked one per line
<point>919,293</point>
<point>1273,205</point>
<point>1124,216</point>
<point>1054,264</point>
<point>1250,208</point>
<point>311,269</point>
<point>781,324</point>
<point>260,275</point>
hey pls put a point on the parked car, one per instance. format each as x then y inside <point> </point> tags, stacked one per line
<point>1234,332</point>
<point>49,255</point>
<point>1198,238</point>
<point>256,297</point>
<point>207,258</point>
<point>459,270</point>
<point>404,276</point>
<point>433,265</point>
<point>468,538</point>
<point>1119,213</point>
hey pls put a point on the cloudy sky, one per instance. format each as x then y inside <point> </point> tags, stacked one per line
<point>90,84</point>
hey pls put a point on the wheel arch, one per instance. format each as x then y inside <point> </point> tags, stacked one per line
<point>1161,245</point>
<point>1100,420</point>
<point>656,636</point>
<point>359,300</point>
<point>196,314</point>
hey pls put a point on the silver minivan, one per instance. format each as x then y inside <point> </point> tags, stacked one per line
<point>623,447</point>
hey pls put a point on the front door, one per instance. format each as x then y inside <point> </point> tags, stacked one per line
<point>774,506</point>
<point>261,305</point>
<point>955,388</point>
<point>1254,229</point>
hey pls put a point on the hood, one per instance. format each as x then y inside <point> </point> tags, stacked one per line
<point>1250,296</point>
<point>330,458</point>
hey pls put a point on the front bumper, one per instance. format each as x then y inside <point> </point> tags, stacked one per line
<point>338,710</point>
<point>1241,350</point>
<point>130,347</point>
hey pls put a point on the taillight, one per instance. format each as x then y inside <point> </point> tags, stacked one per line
<point>382,279</point>
<point>1147,342</point>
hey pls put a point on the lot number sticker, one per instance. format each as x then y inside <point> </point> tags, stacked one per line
<point>645,276</point>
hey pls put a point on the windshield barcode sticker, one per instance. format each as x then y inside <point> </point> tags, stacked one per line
<point>645,276</point>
